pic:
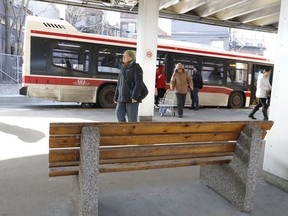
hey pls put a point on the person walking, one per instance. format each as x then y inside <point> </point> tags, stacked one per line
<point>130,81</point>
<point>160,83</point>
<point>263,87</point>
<point>180,81</point>
<point>197,84</point>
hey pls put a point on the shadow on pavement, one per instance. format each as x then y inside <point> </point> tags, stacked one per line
<point>25,134</point>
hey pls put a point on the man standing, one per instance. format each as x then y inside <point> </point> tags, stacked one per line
<point>127,94</point>
<point>263,87</point>
<point>197,84</point>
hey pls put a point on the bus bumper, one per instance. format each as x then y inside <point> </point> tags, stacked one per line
<point>23,91</point>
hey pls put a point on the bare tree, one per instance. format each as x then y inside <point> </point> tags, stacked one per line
<point>85,19</point>
<point>75,14</point>
<point>15,13</point>
<point>20,24</point>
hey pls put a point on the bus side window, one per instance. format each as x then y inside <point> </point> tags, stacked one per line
<point>230,75</point>
<point>215,76</point>
<point>212,71</point>
<point>237,73</point>
<point>109,60</point>
<point>187,61</point>
<point>73,56</point>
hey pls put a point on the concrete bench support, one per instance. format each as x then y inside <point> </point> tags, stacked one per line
<point>236,181</point>
<point>88,172</point>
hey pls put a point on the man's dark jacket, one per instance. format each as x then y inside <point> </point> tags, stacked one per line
<point>129,84</point>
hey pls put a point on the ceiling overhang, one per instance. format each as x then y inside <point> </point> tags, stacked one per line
<point>258,15</point>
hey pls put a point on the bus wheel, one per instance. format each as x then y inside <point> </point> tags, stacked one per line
<point>106,95</point>
<point>236,100</point>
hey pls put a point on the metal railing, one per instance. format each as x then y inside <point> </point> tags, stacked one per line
<point>10,69</point>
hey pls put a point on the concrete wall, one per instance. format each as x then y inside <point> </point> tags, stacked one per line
<point>276,151</point>
<point>200,33</point>
<point>9,89</point>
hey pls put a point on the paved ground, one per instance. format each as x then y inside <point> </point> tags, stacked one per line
<point>26,190</point>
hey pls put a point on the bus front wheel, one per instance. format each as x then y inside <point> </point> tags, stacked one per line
<point>106,95</point>
<point>236,100</point>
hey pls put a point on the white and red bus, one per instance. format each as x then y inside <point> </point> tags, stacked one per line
<point>63,64</point>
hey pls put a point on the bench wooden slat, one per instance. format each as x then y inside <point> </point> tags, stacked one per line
<point>145,129</point>
<point>163,164</point>
<point>63,171</point>
<point>179,138</point>
<point>154,127</point>
<point>63,155</point>
<point>104,168</point>
<point>142,159</point>
<point>69,155</point>
<point>64,141</point>
<point>160,150</point>
<point>166,157</point>
<point>64,164</point>
<point>68,141</point>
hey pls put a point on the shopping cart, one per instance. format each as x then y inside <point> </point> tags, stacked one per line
<point>166,104</point>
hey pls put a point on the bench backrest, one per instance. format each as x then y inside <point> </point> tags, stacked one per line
<point>147,145</point>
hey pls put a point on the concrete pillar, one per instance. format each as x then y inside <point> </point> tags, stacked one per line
<point>88,172</point>
<point>276,148</point>
<point>147,35</point>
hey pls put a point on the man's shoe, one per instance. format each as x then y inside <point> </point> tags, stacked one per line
<point>251,116</point>
<point>265,119</point>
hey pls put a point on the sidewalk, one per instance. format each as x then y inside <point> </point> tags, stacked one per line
<point>26,189</point>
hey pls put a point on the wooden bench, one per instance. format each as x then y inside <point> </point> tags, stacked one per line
<point>229,151</point>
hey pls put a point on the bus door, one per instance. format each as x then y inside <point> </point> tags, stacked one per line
<point>239,80</point>
<point>256,70</point>
<point>169,66</point>
<point>237,75</point>
<point>161,60</point>
<point>189,62</point>
<point>213,93</point>
<point>38,59</point>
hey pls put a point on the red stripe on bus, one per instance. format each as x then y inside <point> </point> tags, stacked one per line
<point>211,89</point>
<point>203,52</point>
<point>62,81</point>
<point>221,90</point>
<point>83,37</point>
<point>212,53</point>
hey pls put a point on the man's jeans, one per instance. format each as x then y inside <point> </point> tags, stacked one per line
<point>129,109</point>
<point>195,98</point>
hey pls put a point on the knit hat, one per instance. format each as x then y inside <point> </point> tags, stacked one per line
<point>179,66</point>
<point>131,53</point>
